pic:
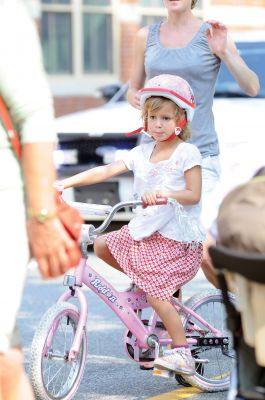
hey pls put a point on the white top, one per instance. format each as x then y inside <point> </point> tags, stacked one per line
<point>23,85</point>
<point>174,221</point>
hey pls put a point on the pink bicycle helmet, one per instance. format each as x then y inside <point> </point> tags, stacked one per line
<point>174,88</point>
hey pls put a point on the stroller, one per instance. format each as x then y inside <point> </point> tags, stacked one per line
<point>239,260</point>
<point>248,378</point>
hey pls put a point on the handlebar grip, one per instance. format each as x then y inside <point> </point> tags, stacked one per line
<point>159,201</point>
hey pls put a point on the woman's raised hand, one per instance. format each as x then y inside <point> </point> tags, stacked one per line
<point>217,37</point>
<point>134,98</point>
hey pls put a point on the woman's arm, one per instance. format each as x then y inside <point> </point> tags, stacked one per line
<point>51,245</point>
<point>223,46</point>
<point>191,195</point>
<point>95,175</point>
<point>138,72</point>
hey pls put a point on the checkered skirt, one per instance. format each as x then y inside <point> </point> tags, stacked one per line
<point>158,265</point>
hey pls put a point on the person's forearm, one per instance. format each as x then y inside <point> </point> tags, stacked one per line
<point>89,177</point>
<point>131,94</point>
<point>184,197</point>
<point>39,175</point>
<point>245,77</point>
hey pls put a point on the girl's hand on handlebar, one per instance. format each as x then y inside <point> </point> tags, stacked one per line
<point>153,198</point>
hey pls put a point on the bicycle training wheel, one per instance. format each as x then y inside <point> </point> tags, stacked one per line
<point>52,374</point>
<point>213,374</point>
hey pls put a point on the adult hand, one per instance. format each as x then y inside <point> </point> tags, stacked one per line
<point>217,38</point>
<point>134,98</point>
<point>52,247</point>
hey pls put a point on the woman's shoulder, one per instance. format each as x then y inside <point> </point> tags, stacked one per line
<point>148,33</point>
<point>143,32</point>
<point>201,36</point>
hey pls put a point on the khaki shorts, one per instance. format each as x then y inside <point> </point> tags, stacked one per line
<point>210,193</point>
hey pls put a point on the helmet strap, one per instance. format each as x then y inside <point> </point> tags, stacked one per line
<point>171,137</point>
<point>178,129</point>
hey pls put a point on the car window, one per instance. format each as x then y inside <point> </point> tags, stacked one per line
<point>253,53</point>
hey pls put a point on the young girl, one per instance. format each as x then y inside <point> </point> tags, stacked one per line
<point>161,248</point>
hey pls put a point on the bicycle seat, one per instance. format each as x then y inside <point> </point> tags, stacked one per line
<point>249,265</point>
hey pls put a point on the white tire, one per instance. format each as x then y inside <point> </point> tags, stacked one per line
<point>213,376</point>
<point>52,375</point>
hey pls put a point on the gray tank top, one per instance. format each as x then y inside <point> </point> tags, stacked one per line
<point>199,67</point>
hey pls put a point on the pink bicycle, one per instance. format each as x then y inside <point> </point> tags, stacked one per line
<point>59,347</point>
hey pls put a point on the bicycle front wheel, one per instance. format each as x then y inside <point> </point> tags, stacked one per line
<point>213,374</point>
<point>53,375</point>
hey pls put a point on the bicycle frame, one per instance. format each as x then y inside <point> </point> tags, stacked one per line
<point>123,304</point>
<point>60,341</point>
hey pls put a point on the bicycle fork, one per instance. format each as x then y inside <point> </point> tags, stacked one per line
<point>81,325</point>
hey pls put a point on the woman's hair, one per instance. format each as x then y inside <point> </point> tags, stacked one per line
<point>193,3</point>
<point>154,103</point>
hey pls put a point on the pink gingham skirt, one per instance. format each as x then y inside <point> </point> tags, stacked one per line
<point>158,265</point>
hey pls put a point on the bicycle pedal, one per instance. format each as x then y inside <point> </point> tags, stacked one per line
<point>201,360</point>
<point>163,373</point>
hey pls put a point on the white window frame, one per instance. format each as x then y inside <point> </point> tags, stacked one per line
<point>80,82</point>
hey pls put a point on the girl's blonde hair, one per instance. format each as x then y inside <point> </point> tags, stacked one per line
<point>193,3</point>
<point>154,103</point>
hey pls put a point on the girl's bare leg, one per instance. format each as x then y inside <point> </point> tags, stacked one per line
<point>171,320</point>
<point>101,250</point>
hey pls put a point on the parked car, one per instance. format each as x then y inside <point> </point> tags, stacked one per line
<point>97,136</point>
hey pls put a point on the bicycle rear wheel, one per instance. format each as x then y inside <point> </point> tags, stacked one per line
<point>53,375</point>
<point>214,374</point>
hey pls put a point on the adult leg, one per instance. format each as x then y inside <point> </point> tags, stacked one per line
<point>13,260</point>
<point>207,265</point>
<point>211,199</point>
<point>14,384</point>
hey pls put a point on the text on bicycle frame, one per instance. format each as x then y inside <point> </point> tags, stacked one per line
<point>103,289</point>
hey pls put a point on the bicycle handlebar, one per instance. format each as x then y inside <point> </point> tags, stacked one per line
<point>89,232</point>
<point>118,206</point>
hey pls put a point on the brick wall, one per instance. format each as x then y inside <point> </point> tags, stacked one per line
<point>129,25</point>
<point>66,105</point>
<point>128,34</point>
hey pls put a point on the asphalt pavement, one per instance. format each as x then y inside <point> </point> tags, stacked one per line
<point>109,373</point>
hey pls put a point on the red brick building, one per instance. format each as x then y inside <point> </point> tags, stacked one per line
<point>89,43</point>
